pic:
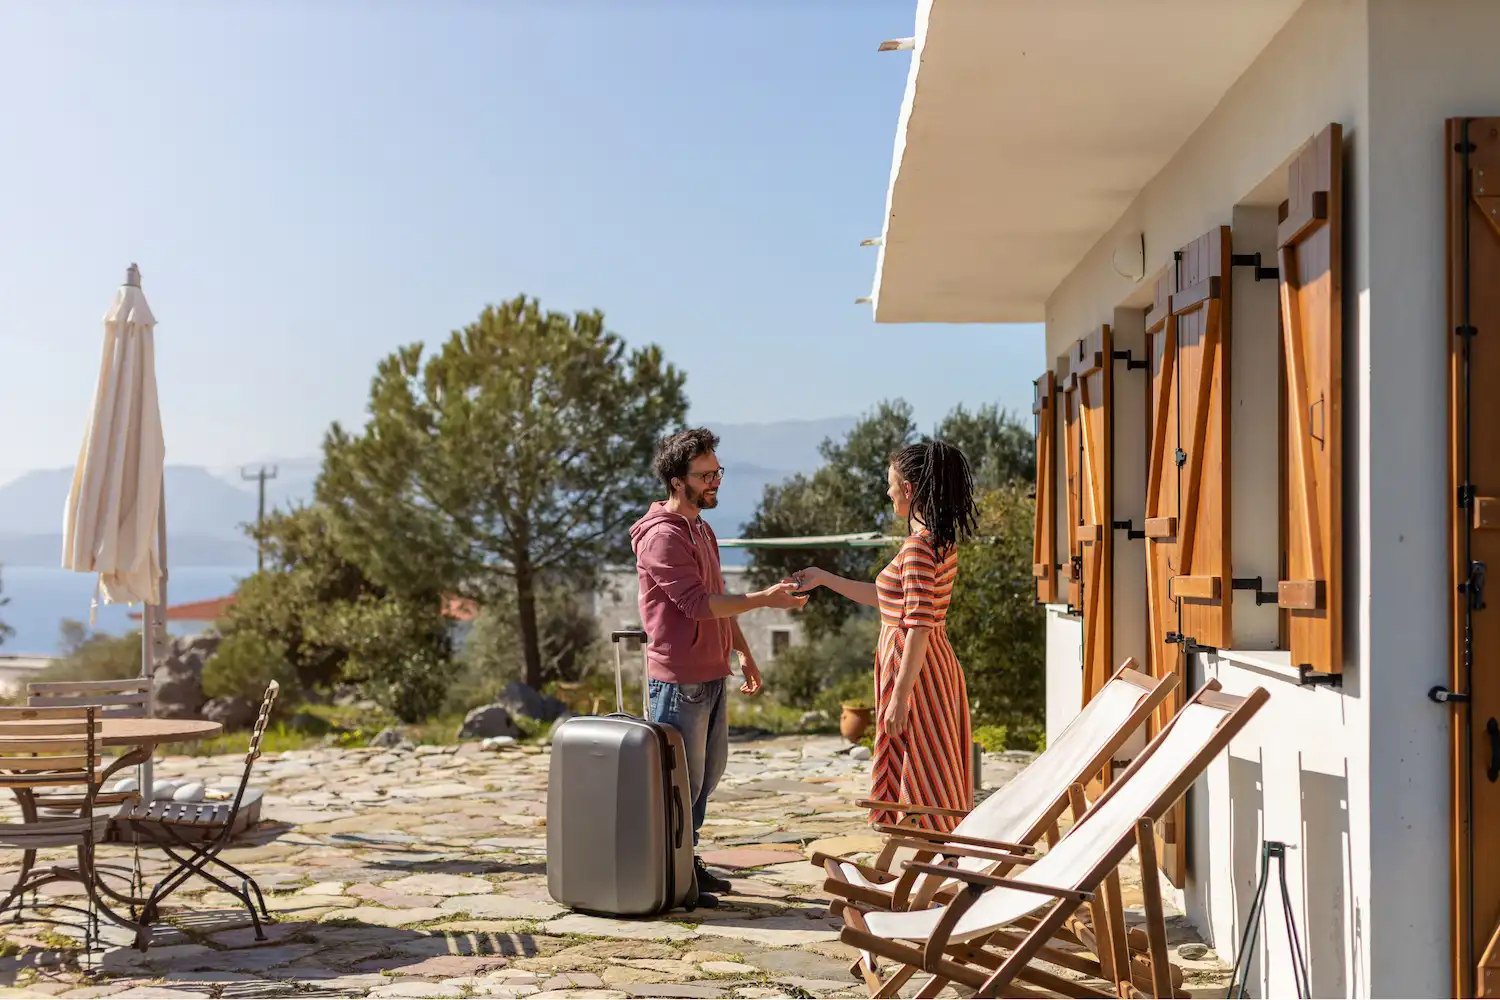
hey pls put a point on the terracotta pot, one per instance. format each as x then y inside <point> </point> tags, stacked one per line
<point>855,721</point>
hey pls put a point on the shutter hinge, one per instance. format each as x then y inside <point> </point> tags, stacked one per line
<point>1466,331</point>
<point>1188,643</point>
<point>1442,696</point>
<point>1253,583</point>
<point>1130,362</point>
<point>1308,677</point>
<point>1253,260</point>
<point>1131,534</point>
<point>1465,147</point>
<point>1465,496</point>
<point>1180,458</point>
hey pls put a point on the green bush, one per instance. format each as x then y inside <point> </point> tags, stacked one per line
<point>829,670</point>
<point>245,664</point>
<point>992,738</point>
<point>92,656</point>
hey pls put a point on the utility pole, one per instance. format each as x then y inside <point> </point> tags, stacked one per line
<point>260,476</point>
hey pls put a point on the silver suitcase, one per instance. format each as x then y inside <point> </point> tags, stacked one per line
<point>619,810</point>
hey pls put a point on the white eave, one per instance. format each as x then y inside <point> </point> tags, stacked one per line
<point>1027,129</point>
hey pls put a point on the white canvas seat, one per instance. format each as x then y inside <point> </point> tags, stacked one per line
<point>1028,806</point>
<point>1044,892</point>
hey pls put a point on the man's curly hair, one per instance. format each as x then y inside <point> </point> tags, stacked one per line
<point>676,453</point>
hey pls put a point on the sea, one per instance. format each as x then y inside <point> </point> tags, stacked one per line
<point>41,597</point>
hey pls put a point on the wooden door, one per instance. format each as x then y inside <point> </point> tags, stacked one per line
<point>1072,467</point>
<point>1311,239</point>
<point>1472,336</point>
<point>1093,367</point>
<point>1044,522</point>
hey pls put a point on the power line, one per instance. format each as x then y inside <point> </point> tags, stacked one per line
<point>260,476</point>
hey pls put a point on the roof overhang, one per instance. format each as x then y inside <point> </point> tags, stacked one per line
<point>1027,129</point>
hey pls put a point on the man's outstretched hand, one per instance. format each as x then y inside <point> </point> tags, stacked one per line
<point>782,595</point>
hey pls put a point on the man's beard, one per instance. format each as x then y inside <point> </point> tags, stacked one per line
<point>705,499</point>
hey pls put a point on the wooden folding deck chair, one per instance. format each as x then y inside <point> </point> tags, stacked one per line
<point>1018,815</point>
<point>987,937</point>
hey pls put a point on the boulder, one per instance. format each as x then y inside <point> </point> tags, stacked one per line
<point>177,681</point>
<point>389,738</point>
<point>518,699</point>
<point>231,713</point>
<point>552,733</point>
<point>488,720</point>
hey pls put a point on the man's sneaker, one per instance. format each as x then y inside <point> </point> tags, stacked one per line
<point>707,880</point>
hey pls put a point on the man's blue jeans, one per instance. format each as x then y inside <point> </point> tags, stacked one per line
<point>698,712</point>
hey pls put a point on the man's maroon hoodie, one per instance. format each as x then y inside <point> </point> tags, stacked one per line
<point>677,561</point>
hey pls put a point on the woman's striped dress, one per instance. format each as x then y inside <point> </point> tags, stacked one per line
<point>929,764</point>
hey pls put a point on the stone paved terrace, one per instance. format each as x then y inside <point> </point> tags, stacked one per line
<point>421,872</point>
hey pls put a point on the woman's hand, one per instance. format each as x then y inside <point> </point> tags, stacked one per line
<point>897,713</point>
<point>808,579</point>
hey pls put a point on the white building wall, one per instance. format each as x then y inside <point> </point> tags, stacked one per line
<point>1355,779</point>
<point>1300,773</point>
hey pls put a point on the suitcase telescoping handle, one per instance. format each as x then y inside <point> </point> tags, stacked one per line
<point>639,636</point>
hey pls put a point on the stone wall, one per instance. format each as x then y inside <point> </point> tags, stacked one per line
<point>616,607</point>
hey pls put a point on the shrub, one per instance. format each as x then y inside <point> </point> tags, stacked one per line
<point>245,664</point>
<point>832,668</point>
<point>92,656</point>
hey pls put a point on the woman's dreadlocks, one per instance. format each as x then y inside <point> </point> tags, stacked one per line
<point>942,490</point>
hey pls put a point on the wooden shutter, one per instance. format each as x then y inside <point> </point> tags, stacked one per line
<point>1044,524</point>
<point>1165,658</point>
<point>1472,336</point>
<point>1092,365</point>
<point>1072,467</point>
<point>1202,585</point>
<point>1188,575</point>
<point>1311,239</point>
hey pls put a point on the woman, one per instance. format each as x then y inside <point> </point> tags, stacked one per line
<point>922,738</point>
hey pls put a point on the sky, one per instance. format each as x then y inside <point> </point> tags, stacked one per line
<point>309,184</point>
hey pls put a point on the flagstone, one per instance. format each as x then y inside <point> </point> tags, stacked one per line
<point>387,897</point>
<point>380,916</point>
<point>651,930</point>
<point>503,907</point>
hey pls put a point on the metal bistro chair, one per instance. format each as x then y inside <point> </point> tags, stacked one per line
<point>122,699</point>
<point>54,749</point>
<point>199,830</point>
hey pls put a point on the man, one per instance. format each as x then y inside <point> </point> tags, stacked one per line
<point>690,621</point>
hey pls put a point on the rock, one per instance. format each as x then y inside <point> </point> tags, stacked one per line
<point>177,681</point>
<point>389,738</point>
<point>519,699</point>
<point>165,789</point>
<point>190,792</point>
<point>496,742</point>
<point>552,733</point>
<point>125,785</point>
<point>860,753</point>
<point>488,720</point>
<point>1193,951</point>
<point>231,713</point>
<point>812,720</point>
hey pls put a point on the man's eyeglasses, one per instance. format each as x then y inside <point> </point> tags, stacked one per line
<point>710,478</point>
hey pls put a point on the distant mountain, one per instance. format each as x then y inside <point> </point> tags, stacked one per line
<point>182,550</point>
<point>208,507</point>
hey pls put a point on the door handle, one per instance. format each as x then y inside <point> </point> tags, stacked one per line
<point>1317,406</point>
<point>1492,728</point>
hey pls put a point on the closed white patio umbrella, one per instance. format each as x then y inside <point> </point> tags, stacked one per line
<point>115,521</point>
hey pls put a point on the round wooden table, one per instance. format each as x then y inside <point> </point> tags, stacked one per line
<point>154,732</point>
